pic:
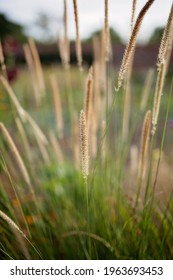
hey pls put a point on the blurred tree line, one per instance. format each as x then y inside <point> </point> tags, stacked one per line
<point>9,28</point>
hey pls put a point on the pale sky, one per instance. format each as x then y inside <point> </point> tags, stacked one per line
<point>91,15</point>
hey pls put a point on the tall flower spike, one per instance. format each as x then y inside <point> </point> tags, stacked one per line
<point>133,13</point>
<point>157,96</point>
<point>165,39</point>
<point>84,145</point>
<point>78,42</point>
<point>106,31</point>
<point>66,41</point>
<point>18,233</point>
<point>132,43</point>
<point>88,95</point>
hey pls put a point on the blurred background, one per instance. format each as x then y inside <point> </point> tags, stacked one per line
<point>43,20</point>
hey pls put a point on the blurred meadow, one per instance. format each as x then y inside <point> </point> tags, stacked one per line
<point>86,144</point>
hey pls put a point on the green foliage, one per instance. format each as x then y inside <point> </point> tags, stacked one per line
<point>59,221</point>
<point>156,36</point>
<point>115,37</point>
<point>9,28</point>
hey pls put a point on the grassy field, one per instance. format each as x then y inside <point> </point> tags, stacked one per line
<point>85,170</point>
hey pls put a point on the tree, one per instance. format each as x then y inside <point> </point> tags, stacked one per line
<point>115,38</point>
<point>9,28</point>
<point>157,35</point>
<point>45,25</point>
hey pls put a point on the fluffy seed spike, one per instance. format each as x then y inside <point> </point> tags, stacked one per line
<point>16,155</point>
<point>38,67</point>
<point>165,39</point>
<point>31,67</point>
<point>17,232</point>
<point>88,97</point>
<point>66,41</point>
<point>13,97</point>
<point>78,42</point>
<point>84,145</point>
<point>106,31</point>
<point>133,13</point>
<point>132,43</point>
<point>157,96</point>
<point>22,113</point>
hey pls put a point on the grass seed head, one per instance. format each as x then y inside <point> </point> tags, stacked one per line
<point>131,45</point>
<point>78,41</point>
<point>84,145</point>
<point>165,40</point>
<point>88,95</point>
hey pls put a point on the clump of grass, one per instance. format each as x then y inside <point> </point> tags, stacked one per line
<point>92,209</point>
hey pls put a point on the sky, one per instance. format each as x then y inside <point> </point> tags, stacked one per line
<point>91,15</point>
